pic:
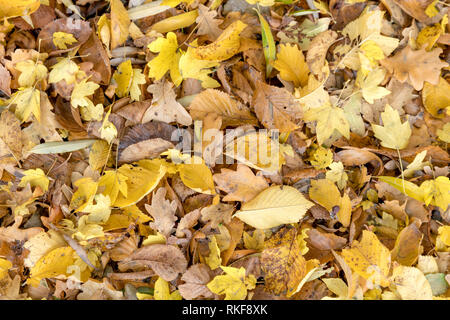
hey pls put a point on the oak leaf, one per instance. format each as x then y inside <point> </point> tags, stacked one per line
<point>415,66</point>
<point>240,185</point>
<point>163,212</point>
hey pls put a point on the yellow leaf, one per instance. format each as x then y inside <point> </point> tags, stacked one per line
<point>263,3</point>
<point>141,180</point>
<point>137,79</point>
<point>176,22</point>
<point>98,156</point>
<point>436,98</point>
<point>257,150</point>
<point>282,252</point>
<point>86,230</point>
<point>254,241</point>
<point>326,193</point>
<point>66,69</point>
<point>408,188</point>
<point>443,239</point>
<point>87,188</point>
<point>167,59</point>
<point>36,178</point>
<point>338,287</point>
<point>213,260</point>
<point>104,30</point>
<point>436,192</point>
<point>118,221</point>
<point>122,78</point>
<point>411,283</point>
<point>369,85</point>
<point>428,264</point>
<point>331,123</point>
<point>120,23</point>
<point>5,265</point>
<point>416,164</point>
<point>41,244</point>
<point>369,258</point>
<point>162,291</point>
<point>234,284</point>
<point>10,9</point>
<point>108,130</point>
<point>197,176</point>
<point>226,46</point>
<point>113,183</point>
<point>62,39</point>
<point>54,263</point>
<point>275,206</point>
<point>100,211</point>
<point>322,158</point>
<point>292,65</point>
<point>81,91</point>
<point>337,174</point>
<point>444,133</point>
<point>27,101</point>
<point>428,36</point>
<point>393,134</point>
<point>431,10</point>
<point>174,3</point>
<point>154,239</point>
<point>31,72</point>
<point>193,68</point>
<point>136,214</point>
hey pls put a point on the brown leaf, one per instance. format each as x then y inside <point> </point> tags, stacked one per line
<point>316,54</point>
<point>163,211</point>
<point>11,134</point>
<point>407,246</point>
<point>5,80</point>
<point>415,8</point>
<point>240,185</point>
<point>325,241</point>
<point>415,66</point>
<point>78,28</point>
<point>165,260</point>
<point>135,111</point>
<point>187,222</point>
<point>275,108</point>
<point>217,213</point>
<point>207,25</point>
<point>214,101</point>
<point>196,278</point>
<point>164,105</point>
<point>93,51</point>
<point>145,141</point>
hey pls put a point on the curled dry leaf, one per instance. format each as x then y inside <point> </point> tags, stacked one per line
<point>165,260</point>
